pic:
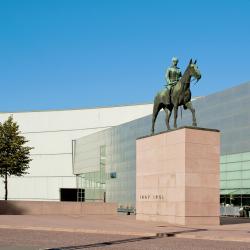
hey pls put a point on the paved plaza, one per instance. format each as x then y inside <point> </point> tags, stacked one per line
<point>31,240</point>
<point>117,232</point>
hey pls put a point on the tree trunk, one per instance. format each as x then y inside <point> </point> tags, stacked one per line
<point>6,185</point>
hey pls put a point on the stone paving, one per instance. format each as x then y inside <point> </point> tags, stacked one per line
<point>13,239</point>
<point>232,229</point>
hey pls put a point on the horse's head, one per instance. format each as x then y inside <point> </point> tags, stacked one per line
<point>194,71</point>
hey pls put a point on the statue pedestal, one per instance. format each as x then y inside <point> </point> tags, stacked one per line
<point>177,177</point>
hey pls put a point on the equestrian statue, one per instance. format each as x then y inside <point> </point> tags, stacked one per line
<point>177,93</point>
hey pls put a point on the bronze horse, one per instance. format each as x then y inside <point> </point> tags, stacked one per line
<point>180,95</point>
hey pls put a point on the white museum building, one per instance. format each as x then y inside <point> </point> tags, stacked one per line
<point>52,134</point>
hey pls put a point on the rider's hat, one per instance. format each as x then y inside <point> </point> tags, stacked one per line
<point>175,59</point>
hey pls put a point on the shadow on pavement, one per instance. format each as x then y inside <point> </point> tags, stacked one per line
<point>226,220</point>
<point>9,208</point>
<point>115,242</point>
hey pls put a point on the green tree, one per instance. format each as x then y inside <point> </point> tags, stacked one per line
<point>14,154</point>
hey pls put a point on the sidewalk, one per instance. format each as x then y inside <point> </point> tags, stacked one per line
<point>232,229</point>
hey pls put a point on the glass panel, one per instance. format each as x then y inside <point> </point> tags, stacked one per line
<point>246,156</point>
<point>223,176</point>
<point>245,165</point>
<point>234,166</point>
<point>223,167</point>
<point>234,158</point>
<point>223,184</point>
<point>236,175</point>
<point>234,184</point>
<point>246,175</point>
<point>245,183</point>
<point>223,159</point>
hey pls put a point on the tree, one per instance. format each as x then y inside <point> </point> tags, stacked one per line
<point>14,154</point>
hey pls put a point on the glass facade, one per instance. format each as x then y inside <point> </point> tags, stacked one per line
<point>91,184</point>
<point>235,178</point>
<point>109,156</point>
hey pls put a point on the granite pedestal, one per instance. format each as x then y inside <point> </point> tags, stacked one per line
<point>177,177</point>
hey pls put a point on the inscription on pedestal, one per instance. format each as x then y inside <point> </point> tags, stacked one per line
<point>152,197</point>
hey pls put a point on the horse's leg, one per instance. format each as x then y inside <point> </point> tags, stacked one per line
<point>175,115</point>
<point>156,110</point>
<point>168,115</point>
<point>190,107</point>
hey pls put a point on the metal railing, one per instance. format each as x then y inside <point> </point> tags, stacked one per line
<point>230,211</point>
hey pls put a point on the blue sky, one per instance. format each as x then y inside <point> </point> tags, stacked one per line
<point>57,54</point>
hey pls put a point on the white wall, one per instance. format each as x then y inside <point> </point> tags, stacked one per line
<point>51,134</point>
